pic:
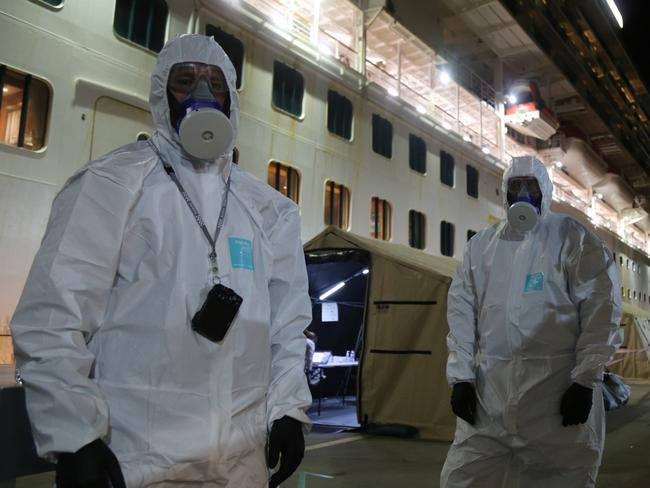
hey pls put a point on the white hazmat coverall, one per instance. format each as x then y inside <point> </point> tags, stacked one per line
<point>102,331</point>
<point>529,314</point>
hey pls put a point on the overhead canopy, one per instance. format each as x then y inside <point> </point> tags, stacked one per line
<point>404,355</point>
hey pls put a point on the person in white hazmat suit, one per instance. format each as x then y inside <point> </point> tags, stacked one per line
<point>118,359</point>
<point>533,314</point>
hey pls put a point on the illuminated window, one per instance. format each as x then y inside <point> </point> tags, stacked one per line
<point>417,154</point>
<point>417,229</point>
<point>288,89</point>
<point>446,238</point>
<point>381,219</point>
<point>470,234</point>
<point>337,205</point>
<point>446,168</point>
<point>285,179</point>
<point>472,181</point>
<point>634,294</point>
<point>233,47</point>
<point>339,115</point>
<point>382,136</point>
<point>629,295</point>
<point>142,22</point>
<point>24,105</point>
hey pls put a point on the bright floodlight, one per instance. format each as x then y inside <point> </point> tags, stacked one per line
<point>366,271</point>
<point>420,109</point>
<point>485,149</point>
<point>334,289</point>
<point>445,77</point>
<point>392,92</point>
<point>446,125</point>
<point>558,164</point>
<point>467,137</point>
<point>599,196</point>
<point>325,49</point>
<point>512,99</point>
<point>615,12</point>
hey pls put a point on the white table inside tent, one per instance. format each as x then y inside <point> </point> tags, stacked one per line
<point>335,362</point>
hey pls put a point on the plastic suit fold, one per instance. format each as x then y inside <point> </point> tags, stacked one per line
<point>102,331</point>
<point>529,314</point>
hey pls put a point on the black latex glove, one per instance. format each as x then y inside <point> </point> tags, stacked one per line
<point>576,404</point>
<point>92,466</point>
<point>286,444</point>
<point>463,401</point>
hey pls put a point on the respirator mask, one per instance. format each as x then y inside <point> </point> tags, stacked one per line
<point>199,106</point>
<point>524,202</point>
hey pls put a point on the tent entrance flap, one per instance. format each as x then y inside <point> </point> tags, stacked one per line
<point>337,286</point>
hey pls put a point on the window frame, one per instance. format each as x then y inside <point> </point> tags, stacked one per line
<point>343,190</point>
<point>387,209</point>
<point>240,79</point>
<point>417,139</point>
<point>327,115</point>
<point>389,124</point>
<point>450,226</point>
<point>469,169</point>
<point>141,46</point>
<point>277,108</point>
<point>453,168</point>
<point>473,232</point>
<point>421,218</point>
<point>48,116</point>
<point>44,3</point>
<point>279,165</point>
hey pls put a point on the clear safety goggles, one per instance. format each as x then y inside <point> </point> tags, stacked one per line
<point>184,77</point>
<point>524,186</point>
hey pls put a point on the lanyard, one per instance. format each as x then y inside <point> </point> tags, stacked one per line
<point>222,213</point>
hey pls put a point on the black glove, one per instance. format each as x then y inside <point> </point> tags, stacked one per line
<point>463,401</point>
<point>576,404</point>
<point>92,466</point>
<point>286,439</point>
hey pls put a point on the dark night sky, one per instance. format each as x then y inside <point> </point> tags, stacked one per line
<point>635,34</point>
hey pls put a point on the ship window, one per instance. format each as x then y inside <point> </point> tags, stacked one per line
<point>628,294</point>
<point>472,181</point>
<point>382,136</point>
<point>339,115</point>
<point>417,154</point>
<point>621,258</point>
<point>634,294</point>
<point>24,106</point>
<point>381,218</point>
<point>288,89</point>
<point>141,22</point>
<point>337,205</point>
<point>285,179</point>
<point>417,229</point>
<point>446,238</point>
<point>233,47</point>
<point>446,168</point>
<point>470,234</point>
<point>51,3</point>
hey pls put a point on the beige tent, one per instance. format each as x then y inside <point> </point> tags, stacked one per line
<point>403,359</point>
<point>632,360</point>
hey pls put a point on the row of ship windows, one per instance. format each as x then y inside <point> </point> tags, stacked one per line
<point>144,23</point>
<point>633,295</point>
<point>24,111</point>
<point>337,210</point>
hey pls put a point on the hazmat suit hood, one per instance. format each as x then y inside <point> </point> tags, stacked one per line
<point>529,166</point>
<point>191,48</point>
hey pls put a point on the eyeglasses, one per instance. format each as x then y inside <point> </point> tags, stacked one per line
<point>184,77</point>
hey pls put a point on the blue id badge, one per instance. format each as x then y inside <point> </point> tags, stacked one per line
<point>241,253</point>
<point>534,282</point>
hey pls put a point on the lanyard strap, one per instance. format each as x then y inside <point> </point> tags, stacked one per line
<point>222,213</point>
